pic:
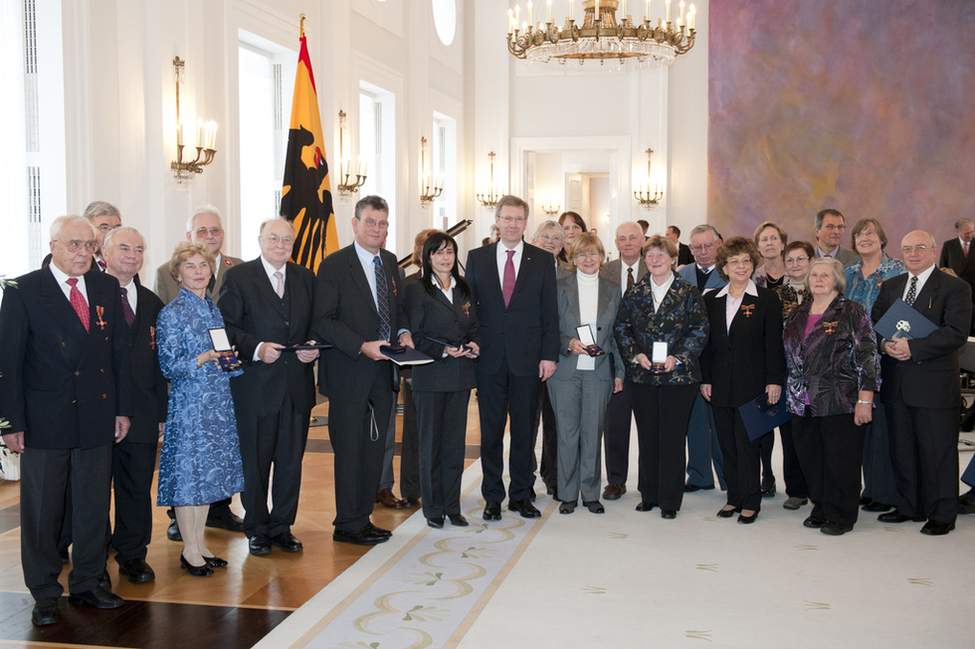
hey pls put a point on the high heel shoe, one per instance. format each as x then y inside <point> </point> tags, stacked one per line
<point>215,562</point>
<point>728,513</point>
<point>196,571</point>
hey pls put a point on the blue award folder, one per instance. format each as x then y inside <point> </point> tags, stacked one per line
<point>404,356</point>
<point>904,321</point>
<point>968,477</point>
<point>760,417</point>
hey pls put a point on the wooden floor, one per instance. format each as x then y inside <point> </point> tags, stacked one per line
<point>234,608</point>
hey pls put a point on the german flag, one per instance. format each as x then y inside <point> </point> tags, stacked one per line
<point>306,199</point>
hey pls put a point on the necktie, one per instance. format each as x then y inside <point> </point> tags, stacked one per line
<point>102,265</point>
<point>912,291</point>
<point>279,283</point>
<point>78,302</point>
<point>382,295</point>
<point>965,248</point>
<point>508,282</point>
<point>629,279</point>
<point>127,308</point>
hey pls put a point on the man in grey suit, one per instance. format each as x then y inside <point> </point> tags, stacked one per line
<point>625,272</point>
<point>829,226</point>
<point>702,440</point>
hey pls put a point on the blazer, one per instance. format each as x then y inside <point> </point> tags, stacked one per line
<point>150,394</point>
<point>684,255</point>
<point>953,257</point>
<point>59,384</point>
<point>681,321</point>
<point>740,363</point>
<point>167,288</point>
<point>830,365</point>
<point>930,378</point>
<point>843,255</point>
<point>345,316</point>
<point>525,332</point>
<point>608,302</point>
<point>611,271</point>
<point>435,316</point>
<point>253,313</point>
<point>689,273</point>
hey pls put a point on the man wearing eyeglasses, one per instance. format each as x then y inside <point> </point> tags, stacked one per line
<point>829,226</point>
<point>65,388</point>
<point>267,308</point>
<point>921,390</point>
<point>105,217</point>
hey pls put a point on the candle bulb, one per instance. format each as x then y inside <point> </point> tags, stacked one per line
<point>667,17</point>
<point>623,13</point>
<point>199,132</point>
<point>179,134</point>
<point>691,17</point>
<point>572,10</point>
<point>549,14</point>
<point>648,11</point>
<point>530,13</point>
<point>511,21</point>
<point>680,14</point>
<point>517,15</point>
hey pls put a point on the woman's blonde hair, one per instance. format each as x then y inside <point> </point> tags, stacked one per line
<point>186,249</point>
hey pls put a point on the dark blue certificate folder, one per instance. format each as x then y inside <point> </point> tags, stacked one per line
<point>904,321</point>
<point>968,477</point>
<point>760,417</point>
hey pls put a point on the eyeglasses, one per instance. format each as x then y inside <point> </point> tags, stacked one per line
<point>75,246</point>
<point>865,233</point>
<point>795,260</point>
<point>739,263</point>
<point>202,232</point>
<point>382,225</point>
<point>698,247</point>
<point>833,226</point>
<point>275,240</point>
<point>909,249</point>
<point>549,237</point>
<point>592,254</point>
<point>508,220</point>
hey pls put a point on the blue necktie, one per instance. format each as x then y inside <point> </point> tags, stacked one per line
<point>382,295</point>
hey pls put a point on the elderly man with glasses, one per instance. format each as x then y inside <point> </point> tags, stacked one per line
<point>829,226</point>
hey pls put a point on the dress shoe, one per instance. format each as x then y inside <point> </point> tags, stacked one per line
<point>215,562</point>
<point>378,530</point>
<point>137,570</point>
<point>770,491</point>
<point>97,597</point>
<point>435,522</point>
<point>865,501</point>
<point>172,532</point>
<point>225,521</point>
<point>105,580</point>
<point>691,488</point>
<point>523,507</point>
<point>386,498</point>
<point>411,502</point>
<point>361,536</point>
<point>813,522</point>
<point>835,529</point>
<point>728,513</point>
<point>614,491</point>
<point>259,545</point>
<point>196,571</point>
<point>287,542</point>
<point>875,506</point>
<point>937,528</point>
<point>567,508</point>
<point>747,520</point>
<point>897,517</point>
<point>967,499</point>
<point>492,511</point>
<point>457,520</point>
<point>553,492</point>
<point>644,506</point>
<point>45,611</point>
<point>794,503</point>
<point>595,506</point>
<point>668,513</point>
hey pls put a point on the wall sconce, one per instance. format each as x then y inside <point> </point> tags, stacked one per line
<point>646,196</point>
<point>490,195</point>
<point>551,211</point>
<point>206,140</point>
<point>345,185</point>
<point>430,186</point>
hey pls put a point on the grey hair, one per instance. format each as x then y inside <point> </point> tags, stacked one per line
<point>62,222</point>
<point>839,279</point>
<point>549,225</point>
<point>827,212</point>
<point>273,219</point>
<point>962,222</point>
<point>377,203</point>
<point>205,209</point>
<point>109,238</point>
<point>101,208</point>
<point>704,227</point>
<point>629,224</point>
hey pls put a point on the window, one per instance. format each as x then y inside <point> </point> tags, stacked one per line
<point>377,148</point>
<point>445,19</point>
<point>443,163</point>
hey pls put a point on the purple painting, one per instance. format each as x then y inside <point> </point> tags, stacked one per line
<point>867,107</point>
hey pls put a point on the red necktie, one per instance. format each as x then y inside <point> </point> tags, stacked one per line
<point>102,265</point>
<point>78,302</point>
<point>508,282</point>
<point>965,248</point>
<point>127,308</point>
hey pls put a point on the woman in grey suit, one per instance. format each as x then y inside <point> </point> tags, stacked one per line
<point>441,313</point>
<point>582,383</point>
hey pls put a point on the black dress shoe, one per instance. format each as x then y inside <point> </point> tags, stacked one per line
<point>691,488</point>
<point>727,513</point>
<point>287,542</point>
<point>411,502</point>
<point>644,506</point>
<point>225,521</point>
<point>937,528</point>
<point>215,562</point>
<point>137,570</point>
<point>457,520</point>
<point>105,580</point>
<point>361,536</point>
<point>813,522</point>
<point>492,511</point>
<point>97,597</point>
<point>259,545</point>
<point>614,491</point>
<point>172,532</point>
<point>747,520</point>
<point>865,501</point>
<point>45,611</point>
<point>967,499</point>
<point>874,506</point>
<point>770,492</point>
<point>436,522</point>
<point>835,529</point>
<point>378,530</point>
<point>196,571</point>
<point>595,506</point>
<point>897,517</point>
<point>524,507</point>
<point>567,508</point>
<point>668,513</point>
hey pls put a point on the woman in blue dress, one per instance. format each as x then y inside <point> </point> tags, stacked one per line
<point>200,458</point>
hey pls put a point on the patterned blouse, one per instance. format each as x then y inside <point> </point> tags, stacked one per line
<point>864,290</point>
<point>790,298</point>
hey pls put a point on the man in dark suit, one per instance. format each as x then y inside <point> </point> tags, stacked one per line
<point>625,271</point>
<point>956,254</point>
<point>921,390</point>
<point>105,217</point>
<point>359,309</point>
<point>684,256</point>
<point>513,284</point>
<point>267,307</point>
<point>829,226</point>
<point>134,458</point>
<point>64,386</point>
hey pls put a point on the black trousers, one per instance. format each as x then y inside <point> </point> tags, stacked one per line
<point>504,396</point>
<point>830,452</point>
<point>44,483</point>
<point>133,464</point>
<point>409,461</point>
<point>442,426</point>
<point>550,439</point>
<point>768,443</point>
<point>616,436</point>
<point>795,482</point>
<point>742,459</point>
<point>662,413</point>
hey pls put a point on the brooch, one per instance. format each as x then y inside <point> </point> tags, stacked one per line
<point>101,320</point>
<point>830,327</point>
<point>747,309</point>
<point>152,337</point>
<point>466,309</point>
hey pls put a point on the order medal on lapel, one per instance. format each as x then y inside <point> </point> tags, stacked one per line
<point>100,310</point>
<point>747,309</point>
<point>466,309</point>
<point>830,327</point>
<point>152,337</point>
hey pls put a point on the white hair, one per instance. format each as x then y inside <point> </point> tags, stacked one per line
<point>110,237</point>
<point>205,209</point>
<point>62,222</point>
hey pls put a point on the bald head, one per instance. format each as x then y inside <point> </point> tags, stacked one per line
<point>920,251</point>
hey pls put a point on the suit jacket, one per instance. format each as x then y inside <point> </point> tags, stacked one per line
<point>59,384</point>
<point>930,377</point>
<point>435,316</point>
<point>689,273</point>
<point>253,313</point>
<point>953,257</point>
<point>345,316</point>
<point>607,304</point>
<point>684,254</point>
<point>167,288</point>
<point>844,256</point>
<point>150,396</point>
<point>525,332</point>
<point>740,363</point>
<point>611,271</point>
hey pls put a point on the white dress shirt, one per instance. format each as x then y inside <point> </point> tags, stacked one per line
<point>733,304</point>
<point>502,258</point>
<point>921,279</point>
<point>62,279</point>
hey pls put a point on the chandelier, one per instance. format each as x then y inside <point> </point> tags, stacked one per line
<point>601,37</point>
